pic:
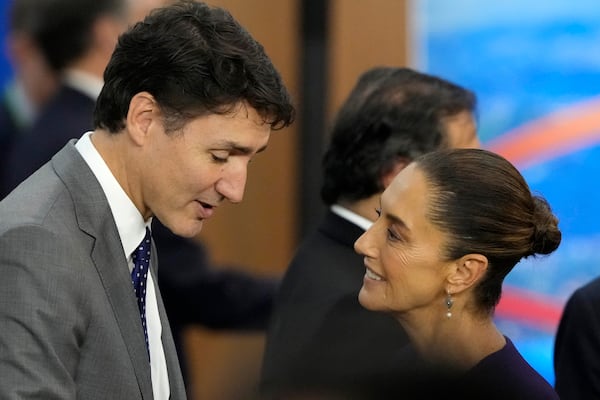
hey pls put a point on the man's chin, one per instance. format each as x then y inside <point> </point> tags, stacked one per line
<point>187,229</point>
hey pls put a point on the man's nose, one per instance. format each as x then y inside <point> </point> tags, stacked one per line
<point>232,185</point>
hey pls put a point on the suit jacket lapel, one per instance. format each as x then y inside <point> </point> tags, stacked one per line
<point>95,218</point>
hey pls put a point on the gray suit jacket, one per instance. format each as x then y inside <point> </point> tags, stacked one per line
<point>69,322</point>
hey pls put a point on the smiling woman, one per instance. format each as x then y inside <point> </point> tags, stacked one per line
<point>452,225</point>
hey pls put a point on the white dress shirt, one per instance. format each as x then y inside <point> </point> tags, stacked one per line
<point>132,229</point>
<point>351,216</point>
<point>86,83</point>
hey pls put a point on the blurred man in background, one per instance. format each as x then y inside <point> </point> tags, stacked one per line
<point>321,341</point>
<point>33,82</point>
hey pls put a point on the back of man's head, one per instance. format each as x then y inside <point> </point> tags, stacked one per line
<point>64,29</point>
<point>24,16</point>
<point>391,115</point>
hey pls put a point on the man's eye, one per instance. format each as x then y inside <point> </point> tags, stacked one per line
<point>219,158</point>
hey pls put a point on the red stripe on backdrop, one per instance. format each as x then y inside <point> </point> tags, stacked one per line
<point>529,308</point>
<point>565,131</point>
<point>560,133</point>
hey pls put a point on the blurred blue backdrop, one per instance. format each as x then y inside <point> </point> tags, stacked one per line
<point>5,71</point>
<point>535,67</point>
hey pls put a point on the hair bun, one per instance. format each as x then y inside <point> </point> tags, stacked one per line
<point>546,235</point>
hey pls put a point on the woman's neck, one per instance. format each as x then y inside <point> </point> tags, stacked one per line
<point>460,342</point>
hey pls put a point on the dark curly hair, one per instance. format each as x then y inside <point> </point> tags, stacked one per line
<point>195,60</point>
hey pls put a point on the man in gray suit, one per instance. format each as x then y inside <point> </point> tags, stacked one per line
<point>189,98</point>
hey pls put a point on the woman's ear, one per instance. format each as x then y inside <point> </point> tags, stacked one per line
<point>466,272</point>
<point>143,111</point>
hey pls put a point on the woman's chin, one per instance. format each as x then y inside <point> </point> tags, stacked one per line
<point>366,300</point>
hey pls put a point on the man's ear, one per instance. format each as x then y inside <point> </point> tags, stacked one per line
<point>143,111</point>
<point>466,272</point>
<point>390,173</point>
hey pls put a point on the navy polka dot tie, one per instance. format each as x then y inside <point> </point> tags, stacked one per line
<point>139,274</point>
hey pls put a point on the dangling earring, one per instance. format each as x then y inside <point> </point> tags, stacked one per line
<point>449,303</point>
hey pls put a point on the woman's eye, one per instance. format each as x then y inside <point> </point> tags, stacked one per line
<point>378,212</point>
<point>392,235</point>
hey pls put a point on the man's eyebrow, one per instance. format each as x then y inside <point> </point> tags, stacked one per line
<point>229,145</point>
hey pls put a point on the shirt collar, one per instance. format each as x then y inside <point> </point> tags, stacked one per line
<point>130,223</point>
<point>351,216</point>
<point>86,83</point>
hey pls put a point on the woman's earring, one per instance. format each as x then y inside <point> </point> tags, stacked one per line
<point>449,303</point>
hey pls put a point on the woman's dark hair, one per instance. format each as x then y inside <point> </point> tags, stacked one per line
<point>195,60</point>
<point>485,206</point>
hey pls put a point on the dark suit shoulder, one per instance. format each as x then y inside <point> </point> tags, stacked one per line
<point>590,290</point>
<point>67,116</point>
<point>577,345</point>
<point>324,269</point>
<point>320,335</point>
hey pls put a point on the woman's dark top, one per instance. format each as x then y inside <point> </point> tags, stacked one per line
<point>504,375</point>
